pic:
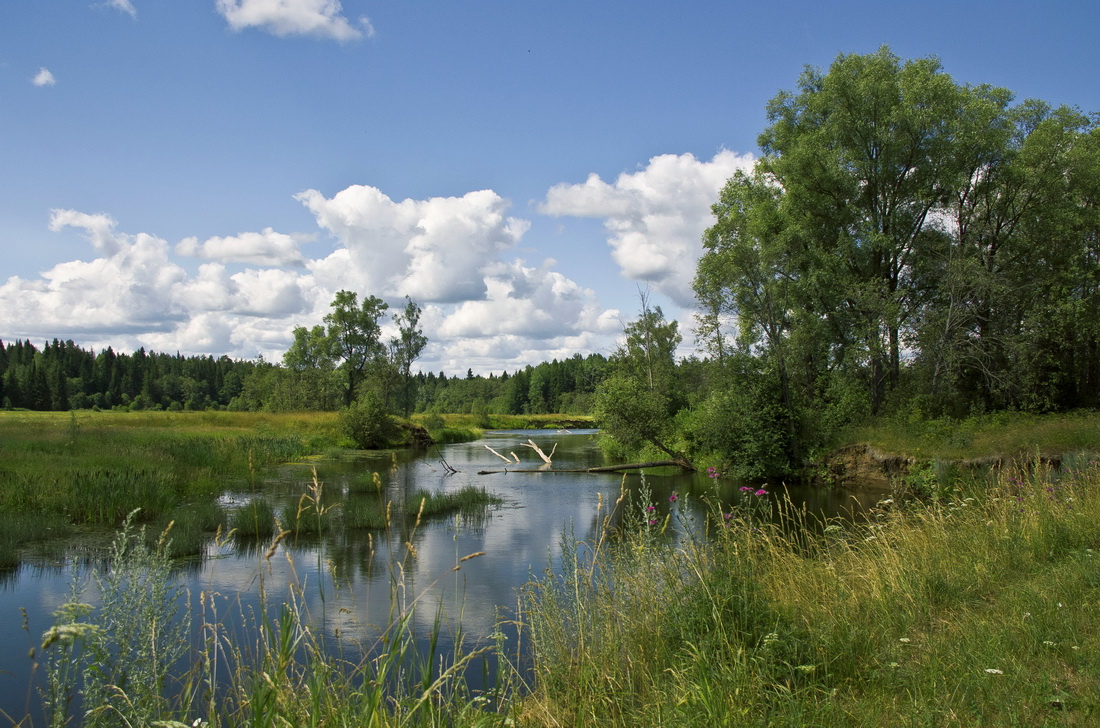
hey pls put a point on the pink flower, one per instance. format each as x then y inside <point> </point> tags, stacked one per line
<point>673,498</point>
<point>761,492</point>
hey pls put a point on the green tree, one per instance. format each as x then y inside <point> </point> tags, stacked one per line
<point>405,348</point>
<point>354,331</point>
<point>636,404</point>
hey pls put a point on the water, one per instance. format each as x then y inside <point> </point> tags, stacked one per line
<point>345,581</point>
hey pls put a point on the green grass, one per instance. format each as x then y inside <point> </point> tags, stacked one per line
<point>375,514</point>
<point>95,468</point>
<point>130,662</point>
<point>1005,435</point>
<point>253,521</point>
<point>975,611</point>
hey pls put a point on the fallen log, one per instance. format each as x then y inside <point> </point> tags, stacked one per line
<point>600,469</point>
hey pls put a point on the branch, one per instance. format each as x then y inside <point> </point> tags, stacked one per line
<point>545,458</point>
<point>499,455</point>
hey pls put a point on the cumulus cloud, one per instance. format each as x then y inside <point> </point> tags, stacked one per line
<point>267,248</point>
<point>122,292</point>
<point>481,311</point>
<point>433,250</point>
<point>655,218</point>
<point>98,228</point>
<point>318,18</point>
<point>133,294</point>
<point>43,78</point>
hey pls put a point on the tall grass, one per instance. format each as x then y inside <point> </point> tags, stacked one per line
<point>128,661</point>
<point>92,469</point>
<point>975,611</point>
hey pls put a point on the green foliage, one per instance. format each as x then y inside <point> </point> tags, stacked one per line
<point>118,656</point>
<point>62,376</point>
<point>908,239</point>
<point>367,422</point>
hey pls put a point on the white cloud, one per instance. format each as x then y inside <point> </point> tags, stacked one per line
<point>267,248</point>
<point>527,302</point>
<point>655,218</point>
<point>99,228</point>
<point>124,5</point>
<point>43,78</point>
<point>319,18</point>
<point>433,250</point>
<point>123,293</point>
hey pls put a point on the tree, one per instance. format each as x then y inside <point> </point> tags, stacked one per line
<point>905,239</point>
<point>637,402</point>
<point>354,332</point>
<point>405,348</point>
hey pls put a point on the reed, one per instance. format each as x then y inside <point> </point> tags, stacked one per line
<point>92,469</point>
<point>253,521</point>
<point>127,661</point>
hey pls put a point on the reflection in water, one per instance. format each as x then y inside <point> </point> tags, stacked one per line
<point>348,581</point>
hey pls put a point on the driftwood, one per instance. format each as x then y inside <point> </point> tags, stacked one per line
<point>601,469</point>
<point>545,458</point>
<point>501,456</point>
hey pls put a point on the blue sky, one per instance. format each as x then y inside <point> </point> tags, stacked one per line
<point>202,176</point>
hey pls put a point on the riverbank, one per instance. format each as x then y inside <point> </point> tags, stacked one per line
<point>884,455</point>
<point>975,610</point>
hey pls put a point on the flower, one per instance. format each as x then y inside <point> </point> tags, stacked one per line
<point>745,488</point>
<point>650,508</point>
<point>761,492</point>
<point>673,498</point>
<point>653,521</point>
<point>727,516</point>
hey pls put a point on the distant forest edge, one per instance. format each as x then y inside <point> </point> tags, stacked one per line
<point>62,376</point>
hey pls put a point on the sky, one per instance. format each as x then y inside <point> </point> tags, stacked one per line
<point>201,177</point>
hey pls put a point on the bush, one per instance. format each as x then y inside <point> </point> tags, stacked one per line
<point>367,423</point>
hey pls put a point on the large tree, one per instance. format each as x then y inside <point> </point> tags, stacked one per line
<point>354,331</point>
<point>902,226</point>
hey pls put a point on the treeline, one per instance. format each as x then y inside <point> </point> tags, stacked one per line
<point>566,386</point>
<point>62,376</point>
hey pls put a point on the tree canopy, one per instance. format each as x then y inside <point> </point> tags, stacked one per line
<point>908,238</point>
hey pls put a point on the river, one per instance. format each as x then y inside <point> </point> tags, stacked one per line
<point>345,581</point>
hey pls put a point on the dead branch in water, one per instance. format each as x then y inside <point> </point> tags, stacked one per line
<point>545,458</point>
<point>600,469</point>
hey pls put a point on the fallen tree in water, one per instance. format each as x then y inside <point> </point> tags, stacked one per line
<point>601,469</point>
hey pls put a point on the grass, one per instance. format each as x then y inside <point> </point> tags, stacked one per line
<point>975,609</point>
<point>372,513</point>
<point>129,662</point>
<point>95,468</point>
<point>978,610</point>
<point>1004,435</point>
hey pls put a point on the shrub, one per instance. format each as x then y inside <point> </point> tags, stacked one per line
<point>367,423</point>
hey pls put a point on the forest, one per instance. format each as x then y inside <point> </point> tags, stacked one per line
<point>906,246</point>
